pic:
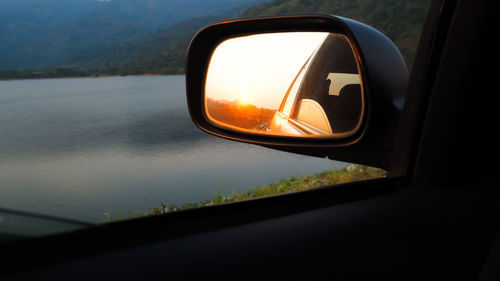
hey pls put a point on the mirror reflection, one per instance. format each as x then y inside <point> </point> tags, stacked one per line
<point>289,83</point>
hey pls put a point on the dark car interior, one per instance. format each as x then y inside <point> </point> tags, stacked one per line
<point>436,217</point>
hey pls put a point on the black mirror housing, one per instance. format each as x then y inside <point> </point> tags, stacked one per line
<point>385,79</point>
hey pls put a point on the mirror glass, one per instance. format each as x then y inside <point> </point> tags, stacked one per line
<point>288,83</point>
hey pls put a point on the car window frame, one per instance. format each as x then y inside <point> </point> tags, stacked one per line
<point>135,232</point>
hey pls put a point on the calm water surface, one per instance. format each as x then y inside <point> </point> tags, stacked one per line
<point>79,147</point>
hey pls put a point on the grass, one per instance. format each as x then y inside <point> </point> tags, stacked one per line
<point>351,173</point>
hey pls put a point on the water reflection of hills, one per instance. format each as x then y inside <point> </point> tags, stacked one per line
<point>247,116</point>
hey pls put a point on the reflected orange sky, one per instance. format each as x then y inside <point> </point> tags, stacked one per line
<point>258,69</point>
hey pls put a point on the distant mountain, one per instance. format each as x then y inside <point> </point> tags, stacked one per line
<point>47,33</point>
<point>400,20</point>
<point>143,47</point>
<point>163,51</point>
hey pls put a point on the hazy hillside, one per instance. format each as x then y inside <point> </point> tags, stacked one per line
<point>45,33</point>
<point>144,47</point>
<point>401,20</point>
<point>163,51</point>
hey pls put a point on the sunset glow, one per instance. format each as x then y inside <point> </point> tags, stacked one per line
<point>244,96</point>
<point>258,69</point>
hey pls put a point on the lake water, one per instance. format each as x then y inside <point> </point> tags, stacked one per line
<point>76,148</point>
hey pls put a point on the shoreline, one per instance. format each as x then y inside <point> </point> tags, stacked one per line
<point>88,76</point>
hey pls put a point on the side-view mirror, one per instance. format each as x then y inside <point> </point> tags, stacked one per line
<point>301,84</point>
<point>316,85</point>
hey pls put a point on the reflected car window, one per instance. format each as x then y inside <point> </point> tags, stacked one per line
<point>334,64</point>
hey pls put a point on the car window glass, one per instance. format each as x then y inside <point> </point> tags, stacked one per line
<point>94,125</point>
<point>17,226</point>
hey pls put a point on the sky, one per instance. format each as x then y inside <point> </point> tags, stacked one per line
<point>258,69</point>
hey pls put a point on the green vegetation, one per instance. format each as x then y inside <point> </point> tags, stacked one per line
<point>400,20</point>
<point>351,173</point>
<point>164,51</point>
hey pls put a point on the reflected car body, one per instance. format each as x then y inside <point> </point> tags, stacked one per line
<point>325,97</point>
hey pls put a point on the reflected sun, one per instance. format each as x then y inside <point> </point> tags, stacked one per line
<point>244,96</point>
